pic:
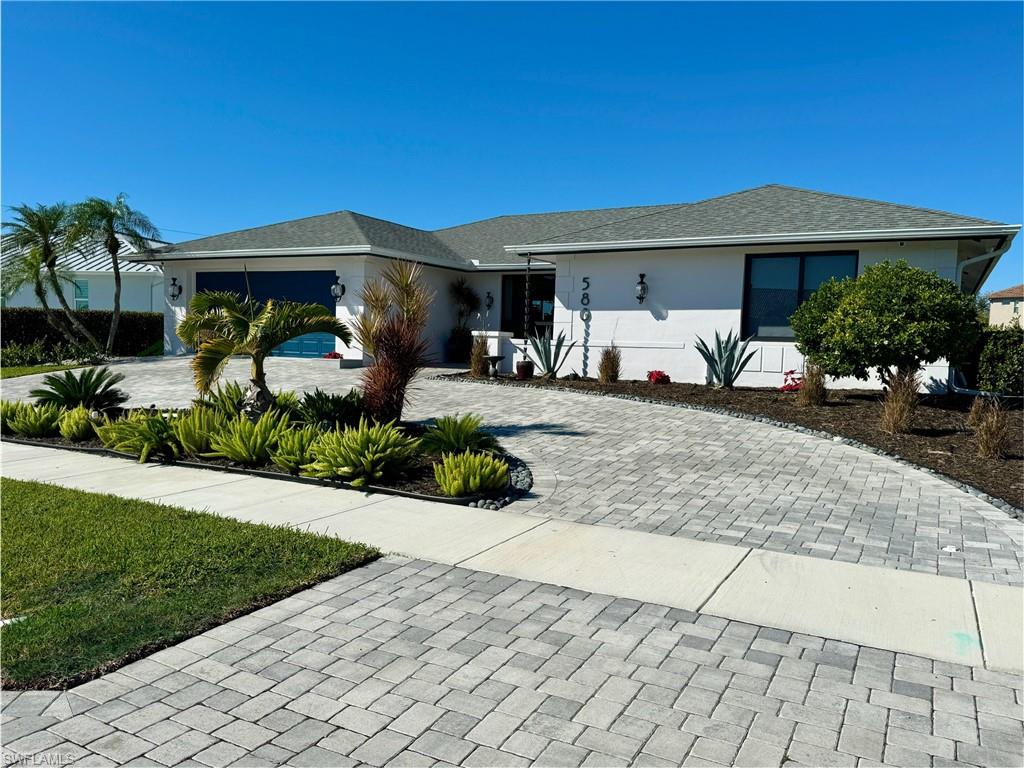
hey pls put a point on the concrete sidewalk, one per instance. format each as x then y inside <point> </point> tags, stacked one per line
<point>941,618</point>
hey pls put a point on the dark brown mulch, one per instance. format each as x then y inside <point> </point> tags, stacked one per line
<point>940,439</point>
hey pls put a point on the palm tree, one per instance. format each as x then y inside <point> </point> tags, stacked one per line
<point>390,331</point>
<point>102,221</point>
<point>220,324</point>
<point>41,233</point>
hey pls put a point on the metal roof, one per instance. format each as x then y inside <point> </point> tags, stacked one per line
<point>93,257</point>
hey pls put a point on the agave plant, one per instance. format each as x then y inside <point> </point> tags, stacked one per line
<point>220,324</point>
<point>726,361</point>
<point>294,449</point>
<point>195,428</point>
<point>75,424</point>
<point>462,474</point>
<point>550,359</point>
<point>91,387</point>
<point>248,442</point>
<point>36,420</point>
<point>362,455</point>
<point>140,434</point>
<point>455,434</point>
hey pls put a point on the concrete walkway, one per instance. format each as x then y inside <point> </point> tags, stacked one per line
<point>946,619</point>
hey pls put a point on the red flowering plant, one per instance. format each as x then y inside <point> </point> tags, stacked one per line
<point>658,377</point>
<point>332,356</point>
<point>791,382</point>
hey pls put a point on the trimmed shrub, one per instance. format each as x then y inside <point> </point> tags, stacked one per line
<point>362,455</point>
<point>75,425</point>
<point>463,474</point>
<point>1001,361</point>
<point>135,332</point>
<point>455,434</point>
<point>294,449</point>
<point>246,442</point>
<point>610,365</point>
<point>36,420</point>
<point>92,387</point>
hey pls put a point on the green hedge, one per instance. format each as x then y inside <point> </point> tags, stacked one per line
<point>135,332</point>
<point>997,362</point>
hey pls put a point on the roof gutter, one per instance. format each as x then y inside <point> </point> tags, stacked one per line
<point>991,255</point>
<point>934,233</point>
<point>268,253</point>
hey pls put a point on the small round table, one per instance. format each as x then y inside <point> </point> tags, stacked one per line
<point>494,360</point>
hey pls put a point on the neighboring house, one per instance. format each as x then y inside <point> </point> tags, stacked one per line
<point>91,283</point>
<point>1004,306</point>
<point>740,262</point>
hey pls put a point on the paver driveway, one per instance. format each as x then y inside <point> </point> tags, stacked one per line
<point>413,663</point>
<point>687,473</point>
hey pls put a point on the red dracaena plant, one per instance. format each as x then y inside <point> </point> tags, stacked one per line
<point>390,330</point>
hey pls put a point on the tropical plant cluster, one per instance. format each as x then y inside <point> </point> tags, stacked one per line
<point>320,434</point>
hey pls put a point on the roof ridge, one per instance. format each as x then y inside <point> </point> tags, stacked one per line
<point>556,213</point>
<point>265,226</point>
<point>665,209</point>
<point>881,202</point>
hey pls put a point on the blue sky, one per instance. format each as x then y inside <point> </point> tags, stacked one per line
<point>218,117</point>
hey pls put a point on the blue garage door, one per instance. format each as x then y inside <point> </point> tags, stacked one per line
<point>307,287</point>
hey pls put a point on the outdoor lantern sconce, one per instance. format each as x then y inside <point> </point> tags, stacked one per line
<point>338,289</point>
<point>488,301</point>
<point>641,288</point>
<point>174,290</point>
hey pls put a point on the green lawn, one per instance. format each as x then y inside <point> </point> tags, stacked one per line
<point>13,371</point>
<point>102,580</point>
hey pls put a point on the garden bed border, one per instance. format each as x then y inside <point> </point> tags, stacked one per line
<point>511,491</point>
<point>1000,504</point>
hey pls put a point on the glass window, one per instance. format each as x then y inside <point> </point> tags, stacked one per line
<point>542,303</point>
<point>778,283</point>
<point>81,294</point>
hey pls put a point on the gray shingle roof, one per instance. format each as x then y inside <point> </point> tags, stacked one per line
<point>92,257</point>
<point>769,210</point>
<point>342,229</point>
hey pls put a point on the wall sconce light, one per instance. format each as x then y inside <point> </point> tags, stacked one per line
<point>174,290</point>
<point>641,288</point>
<point>488,301</point>
<point>338,289</point>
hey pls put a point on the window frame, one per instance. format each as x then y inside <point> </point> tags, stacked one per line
<point>82,285</point>
<point>802,256</point>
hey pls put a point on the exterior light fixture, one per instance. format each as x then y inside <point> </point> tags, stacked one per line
<point>488,301</point>
<point>338,289</point>
<point>641,288</point>
<point>174,290</point>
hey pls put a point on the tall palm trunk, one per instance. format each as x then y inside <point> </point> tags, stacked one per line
<point>52,317</point>
<point>113,246</point>
<point>74,321</point>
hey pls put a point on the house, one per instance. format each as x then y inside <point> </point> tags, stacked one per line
<point>650,279</point>
<point>91,280</point>
<point>1004,307</point>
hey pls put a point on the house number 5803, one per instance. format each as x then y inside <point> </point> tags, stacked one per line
<point>585,297</point>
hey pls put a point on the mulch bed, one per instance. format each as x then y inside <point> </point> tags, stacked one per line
<point>940,439</point>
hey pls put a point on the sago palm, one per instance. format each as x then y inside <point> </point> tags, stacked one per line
<point>220,324</point>
<point>41,234</point>
<point>100,220</point>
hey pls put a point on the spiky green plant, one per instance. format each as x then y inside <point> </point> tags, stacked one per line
<point>193,429</point>
<point>287,403</point>
<point>363,454</point>
<point>455,434</point>
<point>226,398</point>
<point>317,407</point>
<point>248,442</point>
<point>140,434</point>
<point>293,449</point>
<point>92,387</point>
<point>8,410</point>
<point>75,424</point>
<point>463,474</point>
<point>550,359</point>
<point>726,361</point>
<point>220,324</point>
<point>36,420</point>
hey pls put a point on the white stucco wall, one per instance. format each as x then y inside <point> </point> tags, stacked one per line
<point>1005,311</point>
<point>694,292</point>
<point>140,292</point>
